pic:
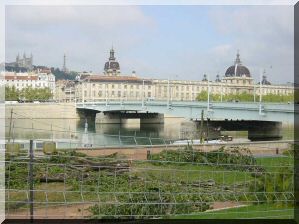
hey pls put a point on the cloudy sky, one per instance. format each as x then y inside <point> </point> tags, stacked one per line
<point>176,42</point>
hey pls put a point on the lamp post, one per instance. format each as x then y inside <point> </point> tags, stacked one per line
<point>208,107</point>
<point>254,92</point>
<point>75,96</point>
<point>106,96</point>
<point>142,93</point>
<point>83,93</point>
<point>168,93</point>
<point>260,101</point>
<point>221,90</point>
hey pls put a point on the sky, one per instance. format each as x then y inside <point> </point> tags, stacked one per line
<point>156,41</point>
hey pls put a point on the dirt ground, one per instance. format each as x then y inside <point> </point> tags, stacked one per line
<point>79,211</point>
<point>219,205</point>
<point>74,211</point>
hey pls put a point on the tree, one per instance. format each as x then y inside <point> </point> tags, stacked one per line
<point>63,75</point>
<point>245,97</point>
<point>202,96</point>
<point>11,93</point>
<point>40,94</point>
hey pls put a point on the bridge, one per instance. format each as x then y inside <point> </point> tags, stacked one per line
<point>281,112</point>
<point>263,121</point>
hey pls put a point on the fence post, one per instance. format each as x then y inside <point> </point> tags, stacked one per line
<point>148,154</point>
<point>31,180</point>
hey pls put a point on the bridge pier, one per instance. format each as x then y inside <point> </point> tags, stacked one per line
<point>109,118</point>
<point>265,130</point>
<point>257,130</point>
<point>119,118</point>
<point>156,119</point>
<point>87,114</point>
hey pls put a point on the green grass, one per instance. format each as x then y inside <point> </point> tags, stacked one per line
<point>170,177</point>
<point>268,211</point>
<point>273,164</point>
<point>191,173</point>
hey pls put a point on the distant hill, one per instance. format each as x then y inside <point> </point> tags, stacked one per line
<point>11,67</point>
<point>63,75</point>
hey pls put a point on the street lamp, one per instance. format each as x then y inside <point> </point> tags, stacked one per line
<point>106,97</point>
<point>260,105</point>
<point>168,93</point>
<point>142,93</point>
<point>208,107</point>
<point>221,93</point>
<point>83,92</point>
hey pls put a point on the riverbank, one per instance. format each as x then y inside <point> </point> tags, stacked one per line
<point>273,148</point>
<point>41,111</point>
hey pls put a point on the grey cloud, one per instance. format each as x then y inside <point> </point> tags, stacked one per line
<point>264,34</point>
<point>83,32</point>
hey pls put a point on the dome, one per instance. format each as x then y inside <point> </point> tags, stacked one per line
<point>112,67</point>
<point>265,81</point>
<point>238,69</point>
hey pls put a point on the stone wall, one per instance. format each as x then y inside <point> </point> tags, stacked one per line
<point>42,110</point>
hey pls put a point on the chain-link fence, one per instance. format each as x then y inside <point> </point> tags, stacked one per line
<point>169,181</point>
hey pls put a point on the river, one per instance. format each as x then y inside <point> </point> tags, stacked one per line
<point>67,130</point>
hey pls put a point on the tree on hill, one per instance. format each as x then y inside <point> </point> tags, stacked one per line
<point>59,75</point>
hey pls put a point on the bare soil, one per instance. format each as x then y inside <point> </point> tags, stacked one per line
<point>74,211</point>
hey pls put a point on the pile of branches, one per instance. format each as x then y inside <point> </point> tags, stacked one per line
<point>233,158</point>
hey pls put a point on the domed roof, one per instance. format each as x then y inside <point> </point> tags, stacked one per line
<point>264,80</point>
<point>111,65</point>
<point>114,65</point>
<point>238,69</point>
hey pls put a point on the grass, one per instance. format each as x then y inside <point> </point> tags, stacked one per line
<point>273,164</point>
<point>145,175</point>
<point>267,211</point>
<point>191,173</point>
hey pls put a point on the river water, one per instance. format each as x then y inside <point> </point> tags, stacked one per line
<point>77,131</point>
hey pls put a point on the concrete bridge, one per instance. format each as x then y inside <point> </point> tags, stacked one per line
<point>192,110</point>
<point>262,120</point>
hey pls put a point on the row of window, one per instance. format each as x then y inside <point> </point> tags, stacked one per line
<point>165,94</point>
<point>116,94</point>
<point>29,84</point>
<point>118,86</point>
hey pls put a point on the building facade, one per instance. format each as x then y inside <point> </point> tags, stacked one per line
<point>65,91</point>
<point>32,79</point>
<point>114,86</point>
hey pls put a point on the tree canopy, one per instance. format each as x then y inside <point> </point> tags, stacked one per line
<point>59,75</point>
<point>245,97</point>
<point>27,94</point>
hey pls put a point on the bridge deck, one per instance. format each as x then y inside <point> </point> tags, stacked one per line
<point>283,112</point>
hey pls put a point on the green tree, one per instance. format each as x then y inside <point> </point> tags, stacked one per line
<point>202,96</point>
<point>63,75</point>
<point>44,94</point>
<point>11,93</point>
<point>245,97</point>
<point>31,94</point>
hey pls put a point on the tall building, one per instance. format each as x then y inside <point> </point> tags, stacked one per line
<point>22,64</point>
<point>112,67</point>
<point>26,62</point>
<point>64,68</point>
<point>112,85</point>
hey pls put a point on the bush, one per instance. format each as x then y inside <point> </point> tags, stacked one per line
<point>228,157</point>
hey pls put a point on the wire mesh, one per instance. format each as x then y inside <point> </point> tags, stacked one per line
<point>182,181</point>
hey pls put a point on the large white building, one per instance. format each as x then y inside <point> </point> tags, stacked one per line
<point>38,79</point>
<point>114,86</point>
